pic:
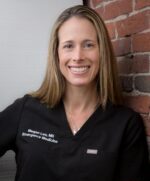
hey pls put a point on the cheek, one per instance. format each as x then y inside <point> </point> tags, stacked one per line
<point>62,57</point>
<point>96,69</point>
<point>62,65</point>
<point>96,66</point>
<point>95,56</point>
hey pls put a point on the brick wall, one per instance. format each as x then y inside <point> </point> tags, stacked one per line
<point>128,23</point>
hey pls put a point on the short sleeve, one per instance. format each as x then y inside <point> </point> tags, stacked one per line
<point>133,160</point>
<point>9,121</point>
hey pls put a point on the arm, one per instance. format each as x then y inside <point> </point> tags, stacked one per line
<point>9,121</point>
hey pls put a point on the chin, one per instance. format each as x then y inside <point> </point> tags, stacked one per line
<point>80,84</point>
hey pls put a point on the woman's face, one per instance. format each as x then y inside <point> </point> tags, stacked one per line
<point>78,52</point>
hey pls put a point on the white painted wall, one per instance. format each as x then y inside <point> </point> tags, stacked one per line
<point>25,27</point>
<point>24,33</point>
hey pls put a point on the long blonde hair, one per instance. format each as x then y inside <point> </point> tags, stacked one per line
<point>53,86</point>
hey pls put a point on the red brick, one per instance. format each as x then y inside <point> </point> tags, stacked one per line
<point>140,104</point>
<point>124,65</point>
<point>142,83</point>
<point>141,42</point>
<point>111,30</point>
<point>141,4</point>
<point>127,83</point>
<point>134,64</point>
<point>133,24</point>
<point>101,12</point>
<point>122,47</point>
<point>140,64</point>
<point>96,2</point>
<point>115,9</point>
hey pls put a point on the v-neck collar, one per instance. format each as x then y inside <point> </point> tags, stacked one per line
<point>86,128</point>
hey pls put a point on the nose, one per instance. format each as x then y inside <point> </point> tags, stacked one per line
<point>78,54</point>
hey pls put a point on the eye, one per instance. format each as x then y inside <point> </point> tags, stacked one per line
<point>88,45</point>
<point>68,46</point>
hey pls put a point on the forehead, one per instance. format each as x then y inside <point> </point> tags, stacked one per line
<point>77,27</point>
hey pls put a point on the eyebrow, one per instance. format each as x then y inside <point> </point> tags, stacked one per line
<point>89,40</point>
<point>71,41</point>
<point>68,41</point>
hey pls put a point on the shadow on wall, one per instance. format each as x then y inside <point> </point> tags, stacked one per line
<point>7,167</point>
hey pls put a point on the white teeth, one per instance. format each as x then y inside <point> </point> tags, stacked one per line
<point>79,69</point>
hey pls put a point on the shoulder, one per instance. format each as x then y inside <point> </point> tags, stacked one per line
<point>18,104</point>
<point>27,100</point>
<point>13,111</point>
<point>131,124</point>
<point>34,103</point>
<point>126,116</point>
<point>124,111</point>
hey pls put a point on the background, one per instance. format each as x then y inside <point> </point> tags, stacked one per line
<point>25,27</point>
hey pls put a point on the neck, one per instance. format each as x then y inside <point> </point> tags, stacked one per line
<point>80,98</point>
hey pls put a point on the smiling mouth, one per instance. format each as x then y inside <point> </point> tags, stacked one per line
<point>79,69</point>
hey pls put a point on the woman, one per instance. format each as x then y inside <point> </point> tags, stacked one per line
<point>74,127</point>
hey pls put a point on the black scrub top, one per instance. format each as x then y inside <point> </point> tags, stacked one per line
<point>110,146</point>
